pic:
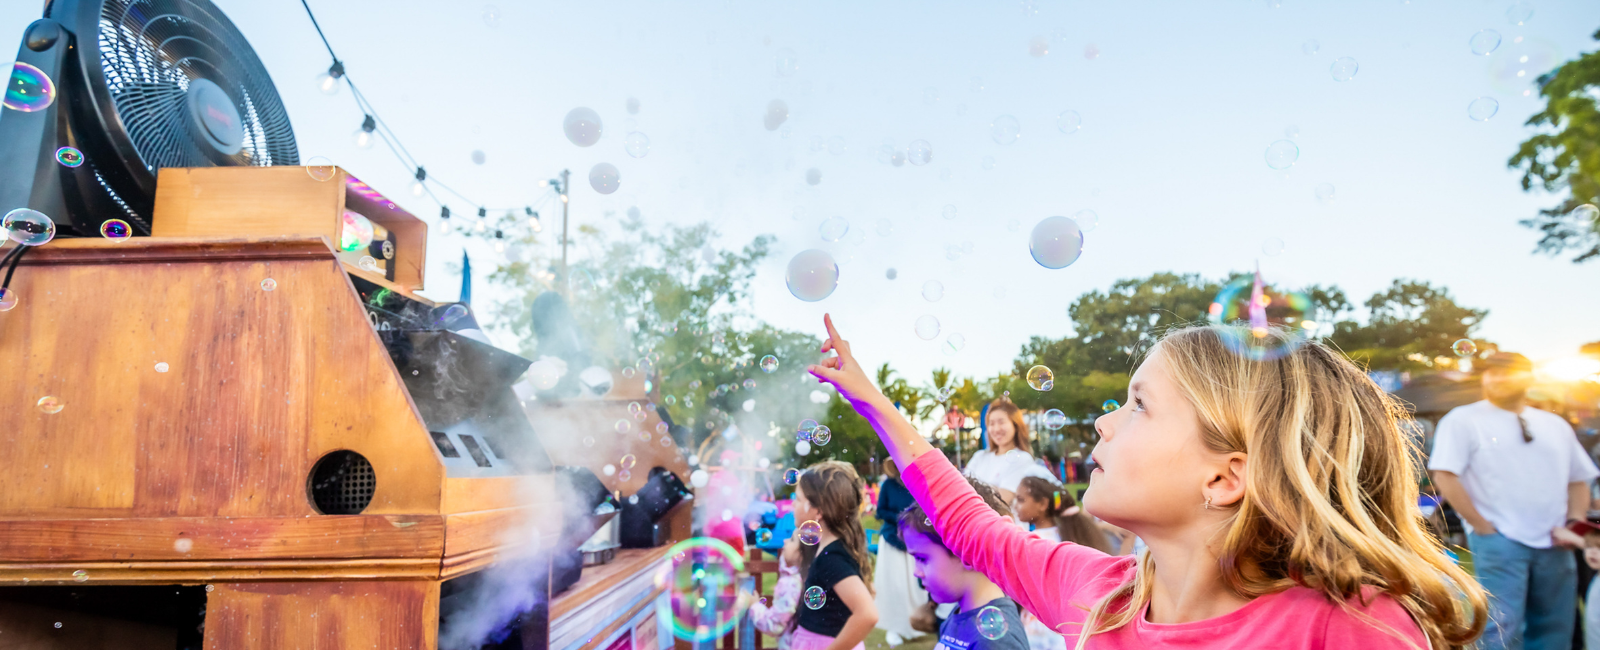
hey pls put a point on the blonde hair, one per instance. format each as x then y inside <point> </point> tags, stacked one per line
<point>1022,439</point>
<point>1330,498</point>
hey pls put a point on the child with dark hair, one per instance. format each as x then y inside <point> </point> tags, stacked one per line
<point>838,612</point>
<point>985,619</point>
<point>1056,516</point>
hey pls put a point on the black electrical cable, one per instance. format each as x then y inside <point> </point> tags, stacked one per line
<point>15,258</point>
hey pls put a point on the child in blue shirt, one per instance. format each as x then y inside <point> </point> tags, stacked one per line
<point>985,619</point>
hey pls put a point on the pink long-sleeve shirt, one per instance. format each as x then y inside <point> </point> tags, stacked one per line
<point>1061,582</point>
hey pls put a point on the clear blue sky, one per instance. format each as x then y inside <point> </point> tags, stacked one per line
<point>1178,109</point>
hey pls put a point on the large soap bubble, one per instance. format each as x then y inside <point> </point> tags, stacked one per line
<point>702,584</point>
<point>1282,154</point>
<point>1056,242</point>
<point>29,89</point>
<point>582,126</point>
<point>1005,129</point>
<point>29,227</point>
<point>605,178</point>
<point>1344,69</point>
<point>927,327</point>
<point>812,275</point>
<point>1266,322</point>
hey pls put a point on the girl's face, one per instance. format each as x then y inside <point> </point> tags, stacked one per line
<point>1152,470</point>
<point>803,511</point>
<point>1030,509</point>
<point>1002,435</point>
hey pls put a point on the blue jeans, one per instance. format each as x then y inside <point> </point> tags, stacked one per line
<point>1533,593</point>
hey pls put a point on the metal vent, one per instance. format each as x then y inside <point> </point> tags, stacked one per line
<point>342,483</point>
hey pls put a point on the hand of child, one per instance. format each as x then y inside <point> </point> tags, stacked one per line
<point>842,370</point>
<point>791,552</point>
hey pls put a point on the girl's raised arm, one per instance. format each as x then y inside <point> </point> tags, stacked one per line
<point>1038,574</point>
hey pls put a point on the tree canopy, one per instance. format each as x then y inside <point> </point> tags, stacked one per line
<point>1565,157</point>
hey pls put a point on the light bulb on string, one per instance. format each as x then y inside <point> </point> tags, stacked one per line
<point>328,82</point>
<point>483,220</point>
<point>363,135</point>
<point>533,221</point>
<point>417,188</point>
<point>444,219</point>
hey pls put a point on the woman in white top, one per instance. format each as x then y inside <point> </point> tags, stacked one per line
<point>1008,457</point>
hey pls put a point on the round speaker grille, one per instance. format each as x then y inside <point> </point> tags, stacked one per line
<point>342,483</point>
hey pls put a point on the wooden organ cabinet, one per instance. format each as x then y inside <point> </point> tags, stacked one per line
<point>236,435</point>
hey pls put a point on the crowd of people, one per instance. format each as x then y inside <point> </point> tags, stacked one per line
<point>1233,503</point>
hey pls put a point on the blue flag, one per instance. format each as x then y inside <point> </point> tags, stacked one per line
<point>466,277</point>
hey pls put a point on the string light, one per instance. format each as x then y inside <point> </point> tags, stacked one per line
<point>364,134</point>
<point>328,82</point>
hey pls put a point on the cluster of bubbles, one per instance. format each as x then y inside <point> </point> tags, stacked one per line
<point>702,580</point>
<point>1041,378</point>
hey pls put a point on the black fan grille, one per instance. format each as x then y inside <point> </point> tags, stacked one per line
<point>150,50</point>
<point>342,483</point>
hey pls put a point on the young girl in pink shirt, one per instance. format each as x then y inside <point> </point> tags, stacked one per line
<point>1275,493</point>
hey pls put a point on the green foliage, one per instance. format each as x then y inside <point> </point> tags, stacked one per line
<point>1565,156</point>
<point>668,302</point>
<point>1409,325</point>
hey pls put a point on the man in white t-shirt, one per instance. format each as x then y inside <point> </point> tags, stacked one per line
<point>1516,475</point>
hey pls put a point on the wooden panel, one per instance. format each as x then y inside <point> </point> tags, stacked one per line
<point>393,615</point>
<point>494,492</point>
<point>204,538</point>
<point>602,578</point>
<point>246,201</point>
<point>190,572</point>
<point>259,385</point>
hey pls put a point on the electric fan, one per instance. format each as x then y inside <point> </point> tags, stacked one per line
<point>105,93</point>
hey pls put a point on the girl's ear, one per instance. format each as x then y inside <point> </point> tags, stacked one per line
<point>1226,485</point>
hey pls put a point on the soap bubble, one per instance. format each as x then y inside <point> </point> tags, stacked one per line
<point>1005,129</point>
<point>769,363</point>
<point>609,469</point>
<point>812,275</point>
<point>791,476</point>
<point>637,144</point>
<point>702,583</point>
<point>1464,348</point>
<point>699,478</point>
<point>751,383</point>
<point>29,227</point>
<point>763,535</point>
<point>802,448</point>
<point>1054,419</point>
<point>1282,154</point>
<point>813,176</point>
<point>1087,220</point>
<point>1014,225</point>
<point>1109,406</point>
<point>582,126</point>
<point>80,576</point>
<point>1484,42</point>
<point>29,90</point>
<point>1056,242</point>
<point>355,232</point>
<point>1587,213</point>
<point>786,62</point>
<point>891,274</point>
<point>1272,246</point>
<point>1482,108</point>
<point>932,291</point>
<point>1519,13</point>
<point>623,426</point>
<point>991,623</point>
<point>1091,51</point>
<point>1310,47</point>
<point>777,114</point>
<point>604,178</point>
<point>809,532</point>
<point>1069,122</point>
<point>1041,379</point>
<point>269,284</point>
<point>1325,192</point>
<point>366,263</point>
<point>1255,309</point>
<point>927,327</point>
<point>805,428</point>
<point>986,163</point>
<point>628,461</point>
<point>919,152</point>
<point>1038,46</point>
<point>815,597</point>
<point>822,435</point>
<point>954,343</point>
<point>69,157</point>
<point>633,105</point>
<point>116,230</point>
<point>836,145</point>
<point>8,299</point>
<point>833,229</point>
<point>1344,69</point>
<point>50,404</point>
